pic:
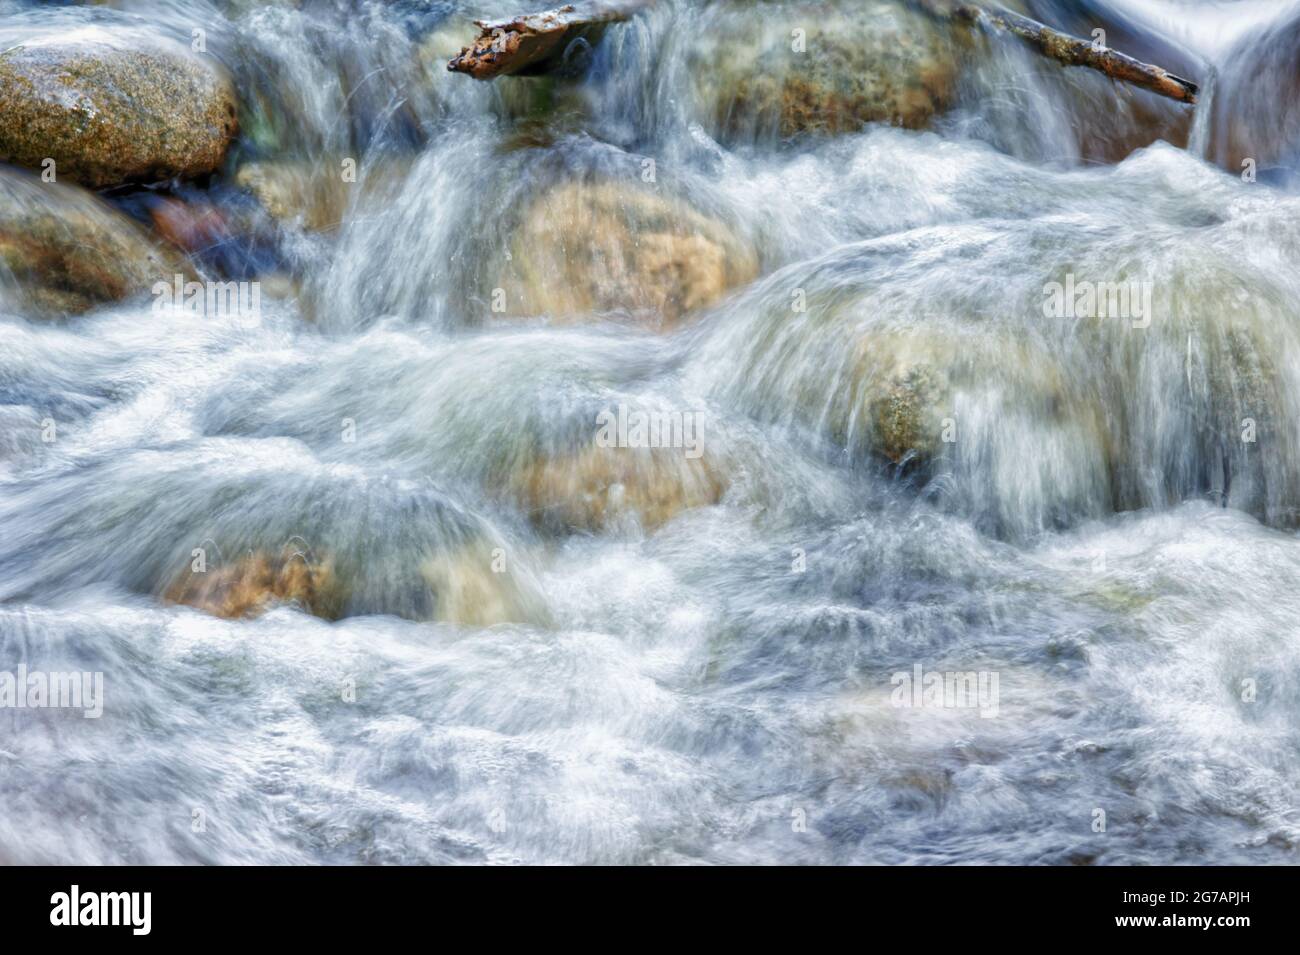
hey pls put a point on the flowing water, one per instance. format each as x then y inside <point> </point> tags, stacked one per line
<point>694,660</point>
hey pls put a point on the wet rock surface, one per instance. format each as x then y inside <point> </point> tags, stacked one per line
<point>589,249</point>
<point>65,250</point>
<point>113,105</point>
<point>790,68</point>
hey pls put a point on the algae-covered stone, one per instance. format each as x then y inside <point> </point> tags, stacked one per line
<point>788,68</point>
<point>585,249</point>
<point>63,250</point>
<point>113,104</point>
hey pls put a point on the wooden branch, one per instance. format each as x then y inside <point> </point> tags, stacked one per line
<point>1067,49</point>
<point>560,40</point>
<point>556,41</point>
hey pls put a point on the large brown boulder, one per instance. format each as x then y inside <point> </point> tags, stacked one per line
<point>111,105</point>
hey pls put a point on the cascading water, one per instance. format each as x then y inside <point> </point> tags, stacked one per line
<point>495,637</point>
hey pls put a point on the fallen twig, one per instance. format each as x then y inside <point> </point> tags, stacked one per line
<point>560,41</point>
<point>1070,50</point>
<point>556,41</point>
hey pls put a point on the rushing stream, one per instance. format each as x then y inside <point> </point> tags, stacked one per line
<point>897,450</point>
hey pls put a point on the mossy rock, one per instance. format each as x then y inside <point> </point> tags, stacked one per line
<point>114,105</point>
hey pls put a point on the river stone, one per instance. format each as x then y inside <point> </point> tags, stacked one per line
<point>112,105</point>
<point>863,63</point>
<point>597,488</point>
<point>475,587</point>
<point>313,194</point>
<point>465,587</point>
<point>65,250</point>
<point>586,249</point>
<point>255,583</point>
<point>905,382</point>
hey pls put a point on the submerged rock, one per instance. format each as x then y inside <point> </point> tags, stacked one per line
<point>789,68</point>
<point>296,193</point>
<point>915,390</point>
<point>315,194</point>
<point>471,586</point>
<point>597,488</point>
<point>1254,110</point>
<point>192,226</point>
<point>66,251</point>
<point>585,249</point>
<point>981,414</point>
<point>113,105</point>
<point>1206,408</point>
<point>259,581</point>
<point>477,587</point>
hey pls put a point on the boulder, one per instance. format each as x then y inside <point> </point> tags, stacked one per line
<point>785,69</point>
<point>63,250</point>
<point>598,488</point>
<point>258,581</point>
<point>112,105</point>
<point>586,249</point>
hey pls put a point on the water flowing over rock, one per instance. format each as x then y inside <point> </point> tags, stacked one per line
<point>110,106</point>
<point>65,251</point>
<point>474,587</point>
<point>1253,116</point>
<point>465,589</point>
<point>965,363</point>
<point>315,194</point>
<point>790,68</point>
<point>1027,417</point>
<point>587,249</point>
<point>601,488</point>
<point>255,583</point>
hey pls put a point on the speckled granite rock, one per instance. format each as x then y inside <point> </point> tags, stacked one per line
<point>112,105</point>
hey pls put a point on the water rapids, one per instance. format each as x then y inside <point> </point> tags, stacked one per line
<point>507,642</point>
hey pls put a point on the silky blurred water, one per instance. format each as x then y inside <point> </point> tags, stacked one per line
<point>715,688</point>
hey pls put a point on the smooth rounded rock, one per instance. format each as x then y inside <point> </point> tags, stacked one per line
<point>114,105</point>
